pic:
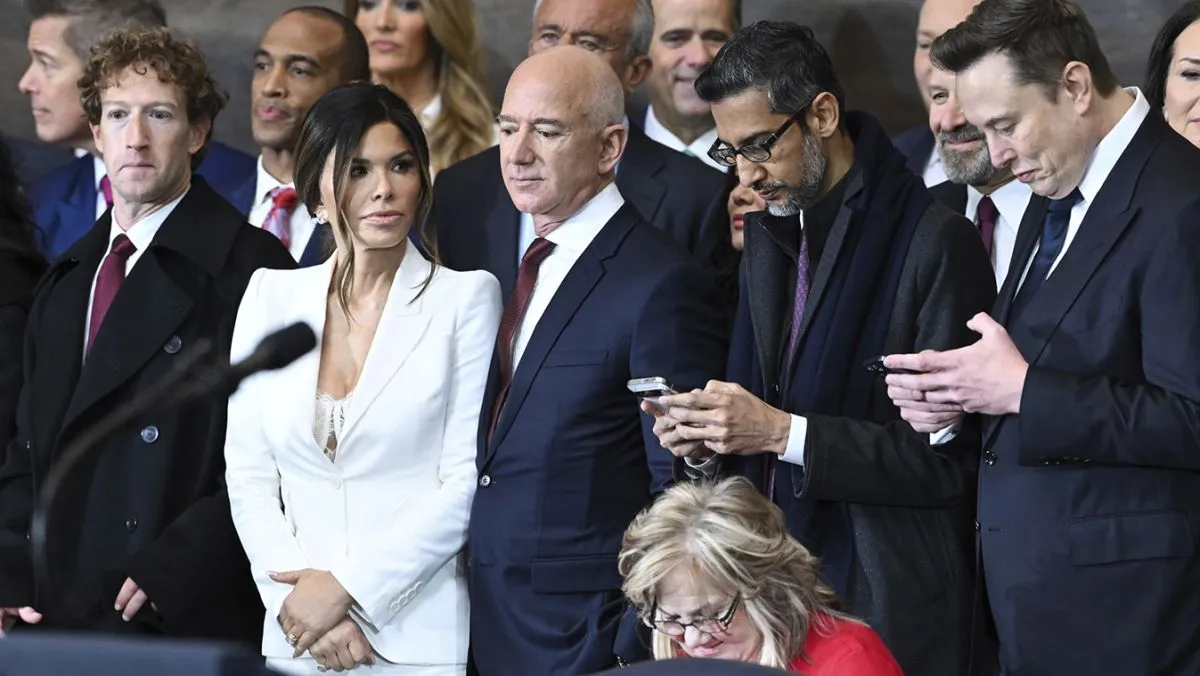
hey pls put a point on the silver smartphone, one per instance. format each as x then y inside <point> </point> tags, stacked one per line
<point>650,389</point>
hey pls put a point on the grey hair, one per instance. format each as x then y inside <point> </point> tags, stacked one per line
<point>641,31</point>
<point>91,20</point>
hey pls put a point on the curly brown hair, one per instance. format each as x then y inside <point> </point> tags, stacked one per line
<point>175,61</point>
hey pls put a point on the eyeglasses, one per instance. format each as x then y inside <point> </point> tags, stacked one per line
<point>759,151</point>
<point>708,625</point>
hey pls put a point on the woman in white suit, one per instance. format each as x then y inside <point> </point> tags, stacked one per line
<point>351,472</point>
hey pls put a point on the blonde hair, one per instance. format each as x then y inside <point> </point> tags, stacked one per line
<point>736,543</point>
<point>466,124</point>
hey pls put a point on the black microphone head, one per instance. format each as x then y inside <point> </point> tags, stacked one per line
<point>286,346</point>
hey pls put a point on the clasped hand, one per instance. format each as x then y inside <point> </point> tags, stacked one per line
<point>314,620</point>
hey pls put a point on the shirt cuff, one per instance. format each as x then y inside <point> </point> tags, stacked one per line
<point>797,435</point>
<point>706,468</point>
<point>946,434</point>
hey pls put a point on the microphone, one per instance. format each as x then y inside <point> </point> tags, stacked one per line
<point>198,380</point>
<point>276,351</point>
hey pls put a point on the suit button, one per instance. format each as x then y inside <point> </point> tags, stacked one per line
<point>485,481</point>
<point>131,524</point>
<point>976,526</point>
<point>989,457</point>
<point>173,345</point>
<point>336,482</point>
<point>149,434</point>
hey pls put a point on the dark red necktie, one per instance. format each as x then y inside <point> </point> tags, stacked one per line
<point>511,319</point>
<point>106,190</point>
<point>986,216</point>
<point>108,280</point>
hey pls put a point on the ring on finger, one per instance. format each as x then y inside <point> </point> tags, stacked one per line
<point>291,639</point>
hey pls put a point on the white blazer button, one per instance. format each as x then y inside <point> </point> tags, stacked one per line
<point>336,482</point>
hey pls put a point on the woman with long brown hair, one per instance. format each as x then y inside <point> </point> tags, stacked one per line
<point>428,52</point>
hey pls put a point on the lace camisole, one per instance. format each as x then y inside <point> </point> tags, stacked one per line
<point>329,421</point>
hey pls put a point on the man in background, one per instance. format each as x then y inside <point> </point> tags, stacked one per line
<point>687,35</point>
<point>989,196</point>
<point>917,144</point>
<point>305,53</point>
<point>676,194</point>
<point>67,201</point>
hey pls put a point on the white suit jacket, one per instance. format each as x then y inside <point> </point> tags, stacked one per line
<point>388,516</point>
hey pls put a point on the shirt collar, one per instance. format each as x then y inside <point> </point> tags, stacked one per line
<point>265,183</point>
<point>578,231</point>
<point>99,171</point>
<point>1110,149</point>
<point>142,233</point>
<point>1011,200</point>
<point>658,132</point>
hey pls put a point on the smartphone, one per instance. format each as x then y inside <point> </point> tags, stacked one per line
<point>875,365</point>
<point>650,389</point>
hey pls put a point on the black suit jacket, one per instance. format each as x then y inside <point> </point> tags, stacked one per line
<point>478,226</point>
<point>573,460</point>
<point>152,504</point>
<point>916,145</point>
<point>1089,499</point>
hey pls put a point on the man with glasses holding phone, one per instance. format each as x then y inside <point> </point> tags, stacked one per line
<point>852,259</point>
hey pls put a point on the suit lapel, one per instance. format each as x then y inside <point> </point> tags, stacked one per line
<point>636,175</point>
<point>766,266</point>
<point>953,196</point>
<point>571,294</point>
<point>311,292</point>
<point>1027,237</point>
<point>147,310</point>
<point>503,231</point>
<point>400,328</point>
<point>242,197</point>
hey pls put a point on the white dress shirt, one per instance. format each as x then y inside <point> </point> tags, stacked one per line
<point>1011,200</point>
<point>1104,158</point>
<point>99,171</point>
<point>699,148</point>
<point>140,234</point>
<point>935,173</point>
<point>302,224</point>
<point>570,239</point>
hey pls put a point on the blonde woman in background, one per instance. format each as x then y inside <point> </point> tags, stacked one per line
<point>427,52</point>
<point>713,570</point>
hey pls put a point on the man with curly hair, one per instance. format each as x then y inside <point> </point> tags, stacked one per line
<point>70,194</point>
<point>145,543</point>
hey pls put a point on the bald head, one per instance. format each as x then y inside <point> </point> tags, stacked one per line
<point>561,132</point>
<point>937,17</point>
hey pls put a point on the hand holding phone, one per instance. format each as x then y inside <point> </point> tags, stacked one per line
<point>875,365</point>
<point>650,389</point>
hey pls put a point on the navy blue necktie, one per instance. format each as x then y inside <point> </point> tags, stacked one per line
<point>1054,235</point>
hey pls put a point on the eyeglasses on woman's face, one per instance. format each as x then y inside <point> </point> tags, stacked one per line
<point>674,628</point>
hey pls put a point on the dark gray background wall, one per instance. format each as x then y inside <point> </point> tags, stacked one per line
<point>870,41</point>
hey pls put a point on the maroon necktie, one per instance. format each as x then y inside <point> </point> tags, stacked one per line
<point>511,319</point>
<point>108,280</point>
<point>106,190</point>
<point>986,216</point>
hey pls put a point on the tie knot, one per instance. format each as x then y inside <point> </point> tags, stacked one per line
<point>987,211</point>
<point>1064,205</point>
<point>106,190</point>
<point>537,251</point>
<point>122,247</point>
<point>285,198</point>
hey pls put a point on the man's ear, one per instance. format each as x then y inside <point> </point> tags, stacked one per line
<point>612,147</point>
<point>824,116</point>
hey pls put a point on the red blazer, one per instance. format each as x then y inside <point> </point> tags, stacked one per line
<point>852,650</point>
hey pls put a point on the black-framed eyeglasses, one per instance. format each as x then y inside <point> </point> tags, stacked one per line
<point>759,151</point>
<point>708,625</point>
